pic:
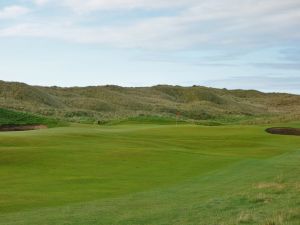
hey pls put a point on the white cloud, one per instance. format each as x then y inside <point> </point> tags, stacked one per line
<point>216,7</point>
<point>93,5</point>
<point>41,2</point>
<point>200,24</point>
<point>13,11</point>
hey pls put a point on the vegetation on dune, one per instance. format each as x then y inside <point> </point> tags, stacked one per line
<point>147,119</point>
<point>108,103</point>
<point>10,117</point>
<point>149,174</point>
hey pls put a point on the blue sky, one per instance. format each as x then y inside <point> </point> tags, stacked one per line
<point>249,44</point>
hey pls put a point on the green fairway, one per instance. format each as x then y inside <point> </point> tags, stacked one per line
<point>149,174</point>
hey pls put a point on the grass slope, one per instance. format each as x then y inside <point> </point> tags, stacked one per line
<point>144,119</point>
<point>10,117</point>
<point>149,174</point>
<point>106,103</point>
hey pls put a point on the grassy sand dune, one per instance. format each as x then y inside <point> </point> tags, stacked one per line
<point>110,103</point>
<point>17,118</point>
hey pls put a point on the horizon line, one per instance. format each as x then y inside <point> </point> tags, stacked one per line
<point>150,86</point>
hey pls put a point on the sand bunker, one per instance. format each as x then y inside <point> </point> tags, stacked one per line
<point>12,127</point>
<point>284,131</point>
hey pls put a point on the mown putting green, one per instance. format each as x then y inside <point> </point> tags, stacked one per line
<point>149,174</point>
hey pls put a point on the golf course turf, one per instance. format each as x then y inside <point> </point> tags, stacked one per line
<point>149,174</point>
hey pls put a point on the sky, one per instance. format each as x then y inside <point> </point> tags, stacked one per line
<point>235,44</point>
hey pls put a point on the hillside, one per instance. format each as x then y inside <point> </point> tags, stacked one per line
<point>105,103</point>
<point>11,117</point>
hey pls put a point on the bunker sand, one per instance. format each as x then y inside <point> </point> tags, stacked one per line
<point>284,131</point>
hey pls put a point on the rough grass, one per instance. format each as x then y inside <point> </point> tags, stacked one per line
<point>107,103</point>
<point>149,174</point>
<point>11,117</point>
<point>147,119</point>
